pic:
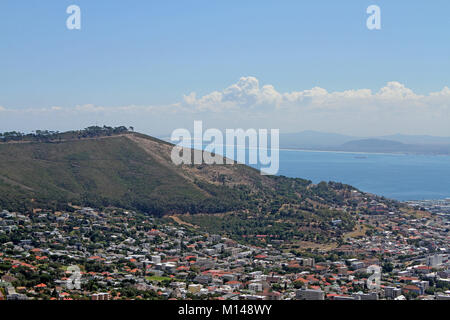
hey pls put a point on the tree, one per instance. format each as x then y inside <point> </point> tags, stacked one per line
<point>388,267</point>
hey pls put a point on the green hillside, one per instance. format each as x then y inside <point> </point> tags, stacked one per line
<point>100,172</point>
<point>104,168</point>
<point>134,171</point>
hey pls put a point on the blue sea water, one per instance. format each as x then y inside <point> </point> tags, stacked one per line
<point>397,176</point>
<point>401,177</point>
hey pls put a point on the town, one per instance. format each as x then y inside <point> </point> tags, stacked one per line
<point>123,254</point>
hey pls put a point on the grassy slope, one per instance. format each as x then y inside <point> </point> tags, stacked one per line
<point>110,169</point>
<point>134,171</point>
<point>114,170</point>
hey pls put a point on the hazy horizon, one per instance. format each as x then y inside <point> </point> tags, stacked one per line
<point>293,66</point>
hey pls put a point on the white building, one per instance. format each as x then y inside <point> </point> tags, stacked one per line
<point>255,287</point>
<point>310,294</point>
<point>435,261</point>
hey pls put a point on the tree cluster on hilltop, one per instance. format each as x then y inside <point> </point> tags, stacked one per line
<point>54,136</point>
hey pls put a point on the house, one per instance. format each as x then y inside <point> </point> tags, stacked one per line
<point>235,285</point>
<point>356,265</point>
<point>195,288</point>
<point>411,288</point>
<point>203,279</point>
<point>101,296</point>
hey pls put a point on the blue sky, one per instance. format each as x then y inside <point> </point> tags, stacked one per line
<point>149,53</point>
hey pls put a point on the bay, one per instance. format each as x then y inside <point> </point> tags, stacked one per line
<point>397,176</point>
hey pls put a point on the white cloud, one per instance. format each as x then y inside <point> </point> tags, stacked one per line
<point>247,94</point>
<point>395,91</point>
<point>393,108</point>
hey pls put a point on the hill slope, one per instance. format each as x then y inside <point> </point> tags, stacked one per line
<point>134,171</point>
<point>130,170</point>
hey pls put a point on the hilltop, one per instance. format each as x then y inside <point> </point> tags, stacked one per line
<point>116,167</point>
<point>133,171</point>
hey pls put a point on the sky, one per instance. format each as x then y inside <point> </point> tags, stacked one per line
<point>160,65</point>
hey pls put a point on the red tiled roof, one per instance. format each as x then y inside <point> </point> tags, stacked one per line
<point>301,280</point>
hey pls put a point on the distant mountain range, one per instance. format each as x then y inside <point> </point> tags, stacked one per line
<point>414,144</point>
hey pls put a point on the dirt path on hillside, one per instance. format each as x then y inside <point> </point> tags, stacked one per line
<point>181,222</point>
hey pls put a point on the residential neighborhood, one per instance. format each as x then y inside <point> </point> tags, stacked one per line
<point>114,254</point>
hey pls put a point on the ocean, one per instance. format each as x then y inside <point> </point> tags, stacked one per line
<point>400,177</point>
